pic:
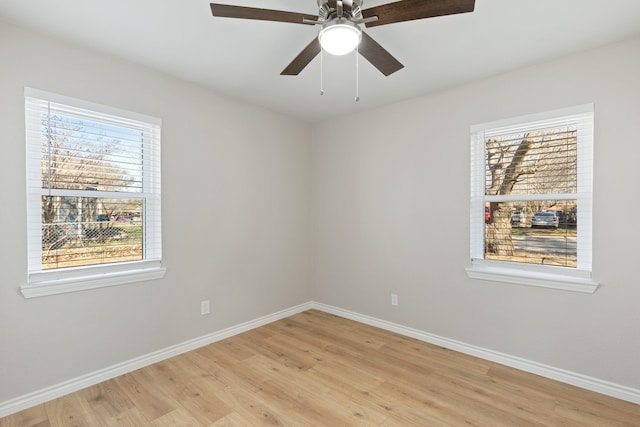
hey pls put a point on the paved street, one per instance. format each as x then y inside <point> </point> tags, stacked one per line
<point>552,245</point>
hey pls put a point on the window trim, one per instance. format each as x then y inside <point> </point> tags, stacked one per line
<point>56,281</point>
<point>551,277</point>
<point>577,279</point>
<point>91,277</point>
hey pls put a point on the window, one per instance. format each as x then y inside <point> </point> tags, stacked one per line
<point>531,195</point>
<point>93,195</point>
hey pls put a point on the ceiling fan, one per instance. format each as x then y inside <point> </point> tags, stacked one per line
<point>343,18</point>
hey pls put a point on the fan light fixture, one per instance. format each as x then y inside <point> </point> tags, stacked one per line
<point>340,37</point>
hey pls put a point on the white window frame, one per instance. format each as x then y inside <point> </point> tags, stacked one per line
<point>577,279</point>
<point>56,281</point>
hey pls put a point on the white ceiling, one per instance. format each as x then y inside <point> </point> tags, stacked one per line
<point>244,58</point>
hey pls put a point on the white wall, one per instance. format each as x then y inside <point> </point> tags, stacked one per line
<point>386,202</point>
<point>235,211</point>
<point>391,214</point>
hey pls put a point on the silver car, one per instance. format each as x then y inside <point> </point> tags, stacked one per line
<point>544,219</point>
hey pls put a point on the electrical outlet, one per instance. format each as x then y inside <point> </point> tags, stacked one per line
<point>205,307</point>
<point>394,299</point>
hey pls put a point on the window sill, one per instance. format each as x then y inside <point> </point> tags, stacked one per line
<point>59,282</point>
<point>547,277</point>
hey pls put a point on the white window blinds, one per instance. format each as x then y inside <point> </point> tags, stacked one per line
<point>93,185</point>
<point>531,189</point>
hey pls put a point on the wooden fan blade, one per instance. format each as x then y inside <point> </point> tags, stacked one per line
<point>378,56</point>
<point>407,10</point>
<point>303,59</point>
<point>229,11</point>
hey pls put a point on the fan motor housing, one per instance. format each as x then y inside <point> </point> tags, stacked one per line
<point>327,9</point>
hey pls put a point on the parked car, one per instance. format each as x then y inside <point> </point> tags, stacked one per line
<point>562,217</point>
<point>517,218</point>
<point>544,219</point>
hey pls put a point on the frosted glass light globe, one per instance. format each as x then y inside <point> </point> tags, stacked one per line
<point>340,38</point>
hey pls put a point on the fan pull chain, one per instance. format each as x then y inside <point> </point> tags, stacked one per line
<point>321,63</point>
<point>357,76</point>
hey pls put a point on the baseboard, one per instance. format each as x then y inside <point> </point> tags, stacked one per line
<point>35,398</point>
<point>589,383</point>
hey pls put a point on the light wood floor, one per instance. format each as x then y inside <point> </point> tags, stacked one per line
<point>315,369</point>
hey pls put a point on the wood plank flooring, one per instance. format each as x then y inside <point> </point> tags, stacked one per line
<point>316,369</point>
